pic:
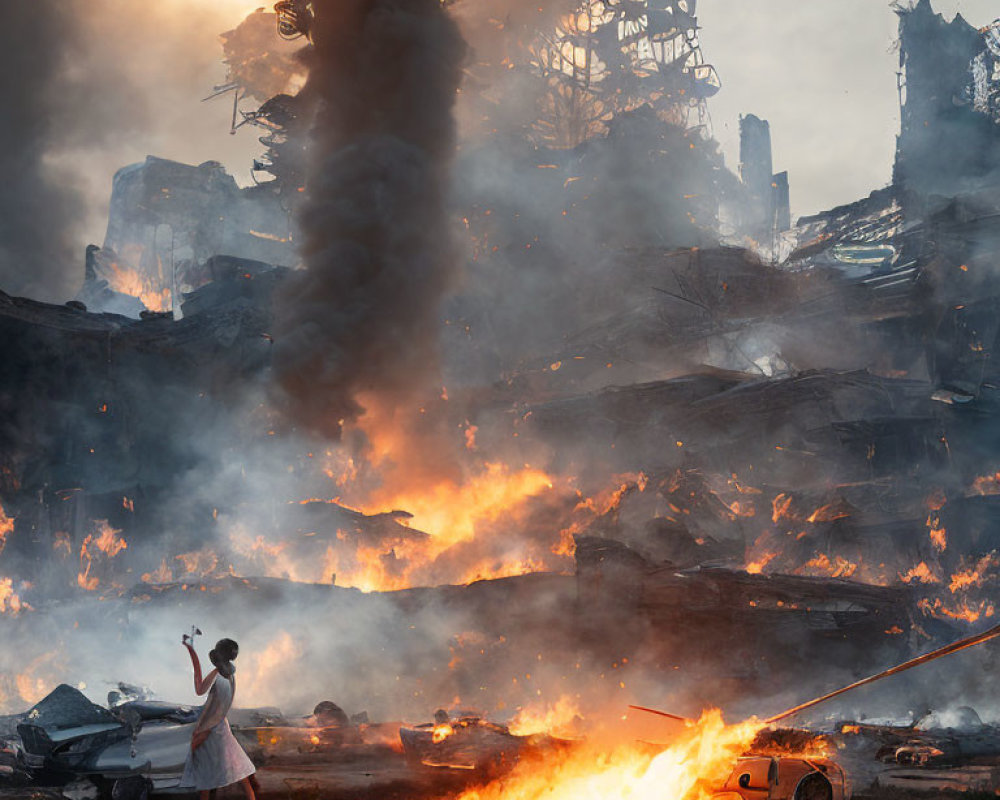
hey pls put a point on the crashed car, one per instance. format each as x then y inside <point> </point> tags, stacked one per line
<point>934,740</point>
<point>785,778</point>
<point>465,740</point>
<point>140,746</point>
<point>328,727</point>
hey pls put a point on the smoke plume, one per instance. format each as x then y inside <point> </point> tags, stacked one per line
<point>88,87</point>
<point>363,315</point>
<point>38,211</point>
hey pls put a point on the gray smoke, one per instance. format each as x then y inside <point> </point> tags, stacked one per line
<point>363,315</point>
<point>38,210</point>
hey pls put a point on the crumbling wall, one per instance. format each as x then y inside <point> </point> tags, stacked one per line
<point>945,145</point>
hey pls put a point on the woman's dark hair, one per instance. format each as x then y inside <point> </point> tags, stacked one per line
<point>223,655</point>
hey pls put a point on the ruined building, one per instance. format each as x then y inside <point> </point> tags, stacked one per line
<point>768,207</point>
<point>818,434</point>
<point>948,142</point>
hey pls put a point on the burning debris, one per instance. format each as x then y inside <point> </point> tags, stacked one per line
<point>556,415</point>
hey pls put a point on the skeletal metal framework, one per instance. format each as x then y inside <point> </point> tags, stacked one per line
<point>294,18</point>
<point>986,74</point>
<point>612,56</point>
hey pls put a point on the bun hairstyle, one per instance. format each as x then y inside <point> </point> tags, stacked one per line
<point>223,655</point>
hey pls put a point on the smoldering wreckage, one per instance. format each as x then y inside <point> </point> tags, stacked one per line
<point>707,458</point>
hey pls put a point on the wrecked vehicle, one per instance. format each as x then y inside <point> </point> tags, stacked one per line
<point>140,746</point>
<point>467,741</point>
<point>785,778</point>
<point>935,740</point>
<point>328,727</point>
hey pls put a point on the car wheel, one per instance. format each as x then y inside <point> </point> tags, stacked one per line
<point>814,787</point>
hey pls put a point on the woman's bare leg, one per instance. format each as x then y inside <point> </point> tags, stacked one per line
<point>247,789</point>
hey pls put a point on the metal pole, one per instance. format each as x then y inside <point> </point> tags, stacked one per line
<point>954,647</point>
<point>662,713</point>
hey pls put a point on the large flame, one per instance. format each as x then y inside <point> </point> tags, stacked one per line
<point>452,511</point>
<point>697,762</point>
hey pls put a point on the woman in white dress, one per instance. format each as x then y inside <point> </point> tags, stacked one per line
<point>216,758</point>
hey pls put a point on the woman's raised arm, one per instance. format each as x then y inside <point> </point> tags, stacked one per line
<point>201,685</point>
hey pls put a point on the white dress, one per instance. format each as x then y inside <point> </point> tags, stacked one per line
<point>219,761</point>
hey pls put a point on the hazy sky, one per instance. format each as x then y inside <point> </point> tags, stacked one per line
<point>823,73</point>
<point>158,60</point>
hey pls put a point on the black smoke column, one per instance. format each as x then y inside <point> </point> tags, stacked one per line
<point>38,211</point>
<point>363,316</point>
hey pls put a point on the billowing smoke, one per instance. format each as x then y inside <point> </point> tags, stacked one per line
<point>89,86</point>
<point>363,315</point>
<point>38,211</point>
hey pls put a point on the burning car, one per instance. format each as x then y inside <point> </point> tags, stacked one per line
<point>785,778</point>
<point>465,740</point>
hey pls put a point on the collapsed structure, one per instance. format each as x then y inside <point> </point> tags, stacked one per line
<point>801,456</point>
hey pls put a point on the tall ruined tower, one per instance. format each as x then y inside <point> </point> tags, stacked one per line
<point>769,211</point>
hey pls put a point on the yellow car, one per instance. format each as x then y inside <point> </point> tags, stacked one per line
<point>785,778</point>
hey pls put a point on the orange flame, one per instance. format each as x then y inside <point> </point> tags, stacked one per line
<point>745,508</point>
<point>6,528</point>
<point>590,508</point>
<point>129,281</point>
<point>39,677</point>
<point>921,573</point>
<point>823,565</point>
<point>10,602</point>
<point>756,566</point>
<point>698,761</point>
<point>975,575</point>
<point>441,732</point>
<point>827,513</point>
<point>451,511</point>
<point>199,563</point>
<point>545,718</point>
<point>986,484</point>
<point>103,546</point>
<point>780,507</point>
<point>936,500</point>
<point>964,611</point>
